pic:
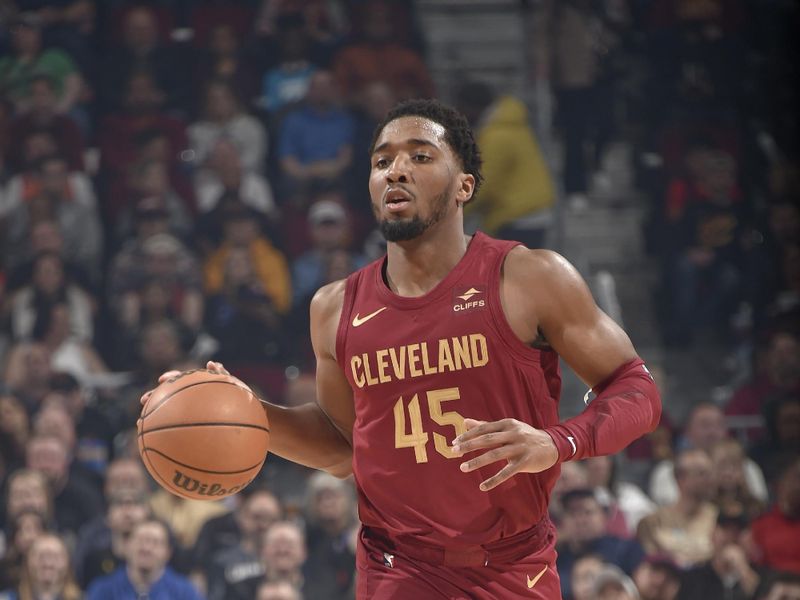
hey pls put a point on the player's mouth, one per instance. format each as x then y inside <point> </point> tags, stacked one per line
<point>397,199</point>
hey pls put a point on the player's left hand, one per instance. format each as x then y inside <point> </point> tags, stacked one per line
<point>524,448</point>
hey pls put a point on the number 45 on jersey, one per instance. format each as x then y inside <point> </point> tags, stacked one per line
<point>418,438</point>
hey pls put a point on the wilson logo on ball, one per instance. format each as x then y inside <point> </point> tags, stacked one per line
<point>190,484</point>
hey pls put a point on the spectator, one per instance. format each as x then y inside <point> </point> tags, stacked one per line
<point>29,59</point>
<point>782,417</point>
<point>613,584</point>
<point>224,60</point>
<point>573,477</point>
<point>51,193</point>
<point>231,564</point>
<point>125,481</point>
<point>67,352</point>
<point>50,287</point>
<point>47,572</point>
<point>225,118</point>
<point>683,530</point>
<point>162,258</point>
<point>14,430</point>
<point>657,578</point>
<point>120,133</point>
<point>585,523</point>
<point>584,575</point>
<point>145,573</point>
<point>626,503</point>
<point>159,348</point>
<point>287,82</point>
<point>28,490</point>
<point>45,237</point>
<point>517,192</point>
<point>283,554</point>
<point>151,193</point>
<point>75,500</point>
<point>330,231</point>
<point>776,534</point>
<point>27,373</point>
<point>331,520</point>
<point>44,115</point>
<point>101,552</point>
<point>20,532</point>
<point>706,238</point>
<point>575,30</point>
<point>379,57</point>
<point>222,178</point>
<point>186,517</point>
<point>732,493</point>
<point>142,50</point>
<point>278,590</point>
<point>704,428</point>
<point>728,573</point>
<point>248,284</point>
<point>93,428</point>
<point>777,375</point>
<point>316,139</point>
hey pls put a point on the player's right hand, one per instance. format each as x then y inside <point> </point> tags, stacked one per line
<point>213,367</point>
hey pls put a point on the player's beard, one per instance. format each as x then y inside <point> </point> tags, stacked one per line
<point>403,230</point>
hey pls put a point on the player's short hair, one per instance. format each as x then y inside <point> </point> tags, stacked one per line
<point>458,133</point>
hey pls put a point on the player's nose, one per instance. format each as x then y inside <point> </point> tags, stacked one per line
<point>398,170</point>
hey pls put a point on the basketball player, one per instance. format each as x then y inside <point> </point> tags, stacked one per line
<point>438,382</point>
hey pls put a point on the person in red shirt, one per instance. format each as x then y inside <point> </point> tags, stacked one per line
<point>438,382</point>
<point>776,534</point>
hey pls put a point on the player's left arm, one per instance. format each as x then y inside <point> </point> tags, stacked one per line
<point>545,297</point>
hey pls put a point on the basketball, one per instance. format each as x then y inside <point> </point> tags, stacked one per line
<point>203,435</point>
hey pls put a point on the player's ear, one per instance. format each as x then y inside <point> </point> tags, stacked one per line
<point>466,187</point>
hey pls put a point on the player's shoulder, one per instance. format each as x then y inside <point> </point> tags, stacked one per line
<point>329,298</point>
<point>524,265</point>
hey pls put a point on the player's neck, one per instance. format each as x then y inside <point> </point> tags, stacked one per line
<point>415,267</point>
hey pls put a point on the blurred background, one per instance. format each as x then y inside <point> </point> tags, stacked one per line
<point>178,177</point>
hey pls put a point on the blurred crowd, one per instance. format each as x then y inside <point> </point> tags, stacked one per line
<point>177,179</point>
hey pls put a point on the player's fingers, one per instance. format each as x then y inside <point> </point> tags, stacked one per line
<point>145,397</point>
<point>482,428</point>
<point>216,367</point>
<point>168,375</point>
<point>487,458</point>
<point>502,475</point>
<point>472,423</point>
<point>487,440</point>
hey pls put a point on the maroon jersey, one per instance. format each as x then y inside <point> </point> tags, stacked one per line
<point>418,367</point>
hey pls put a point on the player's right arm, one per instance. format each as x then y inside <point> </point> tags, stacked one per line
<point>318,434</point>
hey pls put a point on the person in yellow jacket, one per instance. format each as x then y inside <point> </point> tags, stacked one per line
<point>269,264</point>
<point>518,193</point>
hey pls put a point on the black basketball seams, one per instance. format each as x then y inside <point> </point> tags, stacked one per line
<point>210,424</point>
<point>167,397</point>
<point>184,465</point>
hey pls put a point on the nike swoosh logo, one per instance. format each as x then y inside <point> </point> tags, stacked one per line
<point>571,440</point>
<point>532,582</point>
<point>358,321</point>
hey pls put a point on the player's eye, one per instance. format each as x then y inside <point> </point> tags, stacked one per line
<point>382,163</point>
<point>423,158</point>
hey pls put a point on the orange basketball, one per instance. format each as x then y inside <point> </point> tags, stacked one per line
<point>203,435</point>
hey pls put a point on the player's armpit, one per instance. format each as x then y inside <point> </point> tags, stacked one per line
<point>543,292</point>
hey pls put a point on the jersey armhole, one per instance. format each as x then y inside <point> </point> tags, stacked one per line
<point>351,283</point>
<point>516,346</point>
